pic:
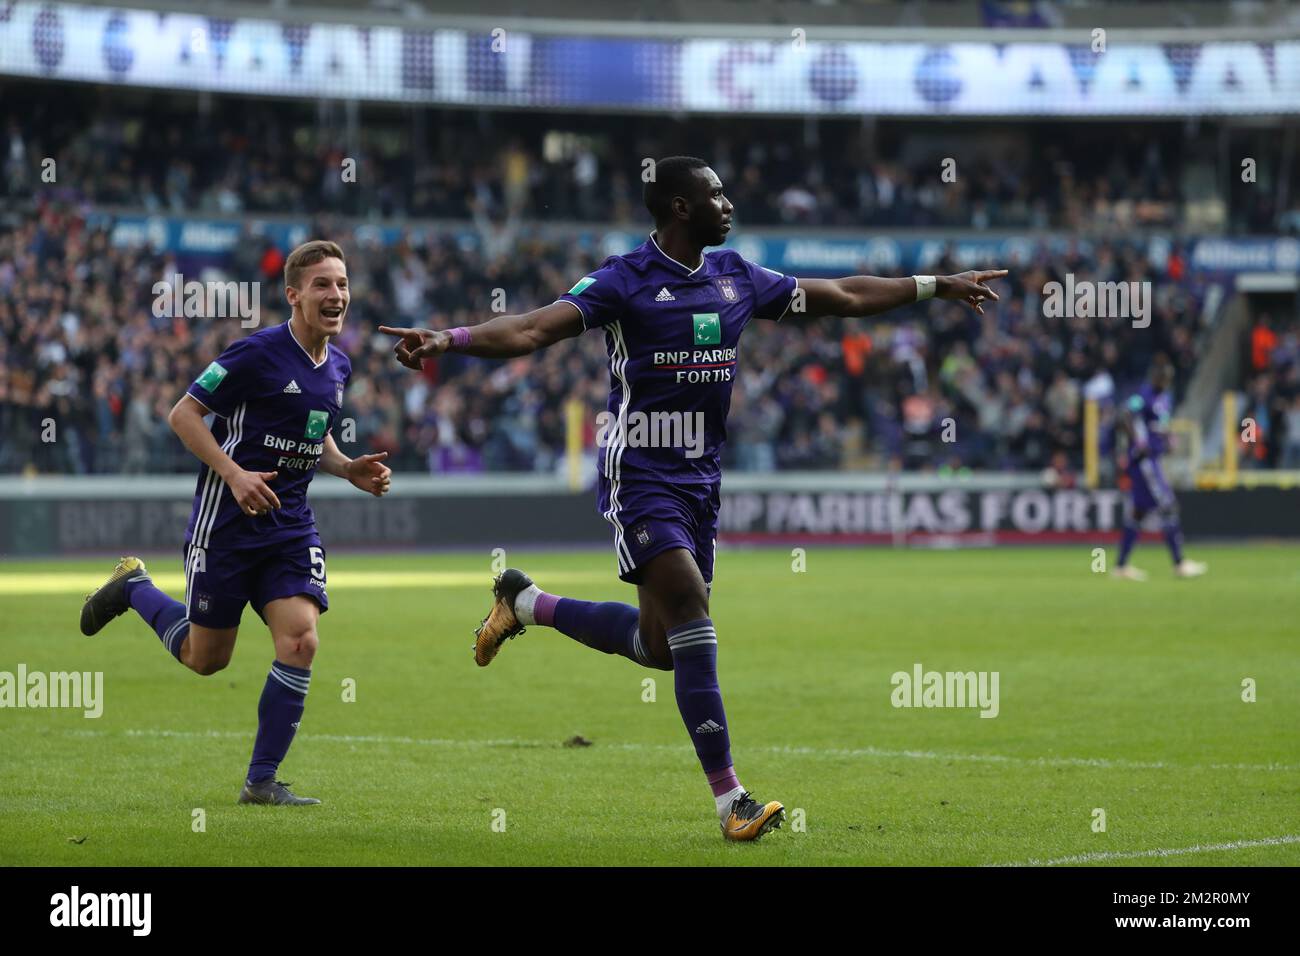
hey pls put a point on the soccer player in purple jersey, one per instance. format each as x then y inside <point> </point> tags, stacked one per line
<point>672,317</point>
<point>1145,422</point>
<point>275,395</point>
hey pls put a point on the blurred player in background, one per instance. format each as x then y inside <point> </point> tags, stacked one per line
<point>275,395</point>
<point>1144,421</point>
<point>672,318</point>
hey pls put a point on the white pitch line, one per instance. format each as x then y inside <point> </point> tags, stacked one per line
<point>1102,763</point>
<point>830,753</point>
<point>1143,854</point>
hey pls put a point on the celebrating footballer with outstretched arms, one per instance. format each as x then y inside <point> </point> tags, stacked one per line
<point>510,336</point>
<point>672,317</point>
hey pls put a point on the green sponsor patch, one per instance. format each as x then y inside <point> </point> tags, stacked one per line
<point>581,285</point>
<point>212,376</point>
<point>708,330</point>
<point>316,422</point>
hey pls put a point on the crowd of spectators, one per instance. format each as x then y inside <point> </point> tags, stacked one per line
<point>229,156</point>
<point>1272,393</point>
<point>929,386</point>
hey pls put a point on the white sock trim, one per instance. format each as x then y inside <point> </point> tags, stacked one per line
<point>725,801</point>
<point>524,602</point>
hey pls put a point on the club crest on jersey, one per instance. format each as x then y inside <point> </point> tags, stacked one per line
<point>727,288</point>
<point>338,394</point>
<point>316,422</point>
<point>708,330</point>
<point>212,377</point>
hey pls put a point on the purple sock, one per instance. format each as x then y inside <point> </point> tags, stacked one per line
<point>1174,538</point>
<point>161,612</point>
<point>544,609</point>
<point>278,713</point>
<point>608,627</point>
<point>695,671</point>
<point>723,781</point>
<point>1127,541</point>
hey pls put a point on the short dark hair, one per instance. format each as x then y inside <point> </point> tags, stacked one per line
<point>306,255</point>
<point>672,178</point>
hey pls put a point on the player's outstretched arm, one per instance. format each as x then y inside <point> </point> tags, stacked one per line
<point>249,488</point>
<point>366,472</point>
<point>505,336</point>
<point>871,295</point>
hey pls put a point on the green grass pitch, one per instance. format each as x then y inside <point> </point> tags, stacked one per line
<point>1119,696</point>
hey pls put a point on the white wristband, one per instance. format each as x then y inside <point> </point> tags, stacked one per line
<point>925,286</point>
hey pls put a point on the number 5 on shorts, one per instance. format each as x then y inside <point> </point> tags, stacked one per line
<point>317,563</point>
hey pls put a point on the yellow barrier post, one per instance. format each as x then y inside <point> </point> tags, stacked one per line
<point>1230,447</point>
<point>1091,442</point>
<point>573,442</point>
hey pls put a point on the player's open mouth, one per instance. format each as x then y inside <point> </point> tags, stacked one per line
<point>331,312</point>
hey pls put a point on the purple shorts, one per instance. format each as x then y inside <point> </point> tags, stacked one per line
<point>1150,490</point>
<point>650,517</point>
<point>218,583</point>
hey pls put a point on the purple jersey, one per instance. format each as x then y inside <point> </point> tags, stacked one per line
<point>1150,412</point>
<point>274,407</point>
<point>673,337</point>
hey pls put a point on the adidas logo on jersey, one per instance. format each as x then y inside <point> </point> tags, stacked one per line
<point>665,296</point>
<point>709,727</point>
<point>292,389</point>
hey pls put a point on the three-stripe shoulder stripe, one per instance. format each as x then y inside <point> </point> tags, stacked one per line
<point>189,576</point>
<point>618,360</point>
<point>205,500</point>
<point>203,533</point>
<point>209,499</point>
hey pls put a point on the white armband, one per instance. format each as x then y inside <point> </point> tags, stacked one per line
<point>925,286</point>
